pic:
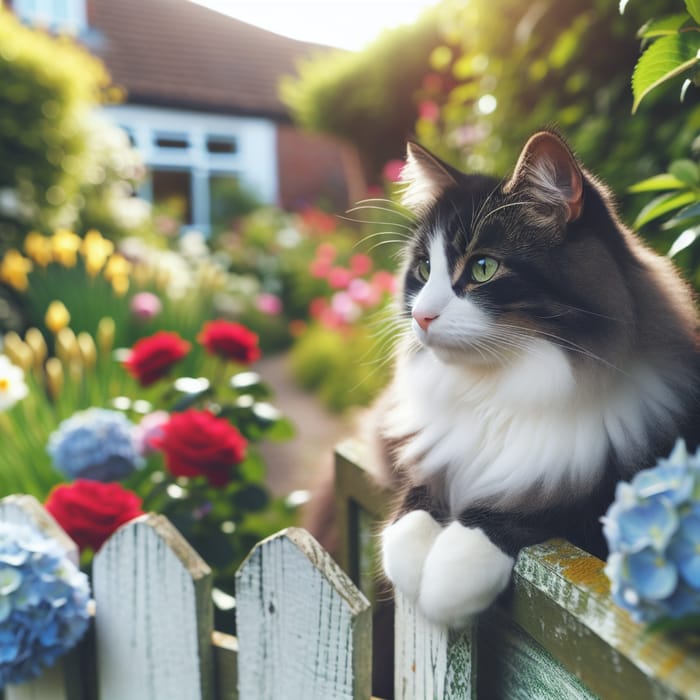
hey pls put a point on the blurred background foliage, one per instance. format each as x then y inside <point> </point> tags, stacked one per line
<point>470,80</point>
<point>61,165</point>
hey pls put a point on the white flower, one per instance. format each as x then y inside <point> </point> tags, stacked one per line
<point>12,385</point>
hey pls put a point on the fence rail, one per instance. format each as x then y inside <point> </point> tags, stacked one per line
<point>304,625</point>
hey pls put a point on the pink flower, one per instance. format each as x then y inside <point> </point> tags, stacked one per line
<point>384,281</point>
<point>362,292</point>
<point>319,268</point>
<point>428,110</point>
<point>392,170</point>
<point>339,277</point>
<point>269,304</point>
<point>326,251</point>
<point>344,307</point>
<point>149,429</point>
<point>145,306</point>
<point>360,264</point>
<point>317,307</point>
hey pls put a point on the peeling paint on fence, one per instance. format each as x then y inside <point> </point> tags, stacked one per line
<point>304,630</point>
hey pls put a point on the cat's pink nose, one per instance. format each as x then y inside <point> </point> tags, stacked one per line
<point>422,320</point>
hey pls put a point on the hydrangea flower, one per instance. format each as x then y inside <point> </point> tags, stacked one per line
<point>43,603</point>
<point>653,533</point>
<point>95,444</point>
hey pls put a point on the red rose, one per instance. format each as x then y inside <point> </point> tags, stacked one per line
<point>90,511</point>
<point>230,341</point>
<point>197,443</point>
<point>151,358</point>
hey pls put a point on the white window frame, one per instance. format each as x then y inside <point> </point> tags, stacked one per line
<point>253,160</point>
<point>60,15</point>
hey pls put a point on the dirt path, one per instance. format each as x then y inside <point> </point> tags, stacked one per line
<point>302,462</point>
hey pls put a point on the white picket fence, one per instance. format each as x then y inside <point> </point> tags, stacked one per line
<point>304,629</point>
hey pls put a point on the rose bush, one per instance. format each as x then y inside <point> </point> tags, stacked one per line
<point>230,341</point>
<point>153,357</point>
<point>90,511</point>
<point>197,443</point>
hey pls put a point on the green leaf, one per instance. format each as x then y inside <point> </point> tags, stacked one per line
<point>693,7</point>
<point>690,212</point>
<point>280,430</point>
<point>657,183</point>
<point>666,58</point>
<point>687,238</point>
<point>661,27</point>
<point>685,170</point>
<point>663,205</point>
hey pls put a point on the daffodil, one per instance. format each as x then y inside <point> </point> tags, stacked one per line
<point>65,246</point>
<point>117,266</point>
<point>96,250</point>
<point>12,385</point>
<point>14,269</point>
<point>57,316</point>
<point>39,248</point>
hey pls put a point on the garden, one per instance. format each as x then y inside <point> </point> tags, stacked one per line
<point>130,350</point>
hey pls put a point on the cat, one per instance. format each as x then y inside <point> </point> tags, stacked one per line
<point>552,354</point>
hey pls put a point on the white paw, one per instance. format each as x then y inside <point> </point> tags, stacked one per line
<point>463,574</point>
<point>405,545</point>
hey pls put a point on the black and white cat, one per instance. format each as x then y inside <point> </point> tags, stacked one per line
<point>552,355</point>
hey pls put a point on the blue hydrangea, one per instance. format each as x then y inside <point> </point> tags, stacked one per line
<point>653,533</point>
<point>43,603</point>
<point>97,444</point>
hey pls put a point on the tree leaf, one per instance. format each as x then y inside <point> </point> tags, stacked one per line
<point>663,205</point>
<point>693,7</point>
<point>690,212</point>
<point>657,183</point>
<point>666,58</point>
<point>685,170</point>
<point>687,238</point>
<point>670,24</point>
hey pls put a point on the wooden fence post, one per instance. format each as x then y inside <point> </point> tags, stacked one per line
<point>304,629</point>
<point>154,615</point>
<point>58,682</point>
<point>430,661</point>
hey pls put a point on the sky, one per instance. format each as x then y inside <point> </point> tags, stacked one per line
<point>343,23</point>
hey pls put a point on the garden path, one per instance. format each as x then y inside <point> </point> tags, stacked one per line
<point>306,460</point>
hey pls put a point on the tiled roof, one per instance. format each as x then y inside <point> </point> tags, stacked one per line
<point>180,54</point>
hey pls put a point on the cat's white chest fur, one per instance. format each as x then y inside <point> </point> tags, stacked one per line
<point>495,435</point>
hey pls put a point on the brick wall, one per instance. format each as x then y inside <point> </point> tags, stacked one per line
<point>316,169</point>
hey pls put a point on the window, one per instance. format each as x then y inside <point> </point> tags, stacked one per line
<point>172,141</point>
<point>226,145</point>
<point>63,15</point>
<point>172,190</point>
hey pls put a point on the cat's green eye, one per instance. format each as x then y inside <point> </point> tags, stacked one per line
<point>483,269</point>
<point>423,270</point>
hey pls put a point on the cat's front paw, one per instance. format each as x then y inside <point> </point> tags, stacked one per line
<point>463,574</point>
<point>405,545</point>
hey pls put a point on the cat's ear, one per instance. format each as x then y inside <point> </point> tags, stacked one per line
<point>425,177</point>
<point>549,171</point>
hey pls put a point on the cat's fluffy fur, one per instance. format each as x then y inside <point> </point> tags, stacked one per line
<point>529,395</point>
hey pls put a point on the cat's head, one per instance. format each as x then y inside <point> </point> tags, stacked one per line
<point>495,265</point>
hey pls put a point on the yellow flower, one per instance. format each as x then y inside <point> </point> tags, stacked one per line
<point>105,335</point>
<point>14,269</point>
<point>54,377</point>
<point>117,266</point>
<point>95,249</point>
<point>88,351</point>
<point>38,248</point>
<point>65,246</point>
<point>35,341</point>
<point>57,316</point>
<point>120,285</point>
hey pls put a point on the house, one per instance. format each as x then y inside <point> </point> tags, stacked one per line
<point>202,104</point>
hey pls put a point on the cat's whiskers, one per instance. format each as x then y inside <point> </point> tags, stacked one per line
<point>480,222</point>
<point>395,208</point>
<point>563,343</point>
<point>370,207</point>
<point>372,221</point>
